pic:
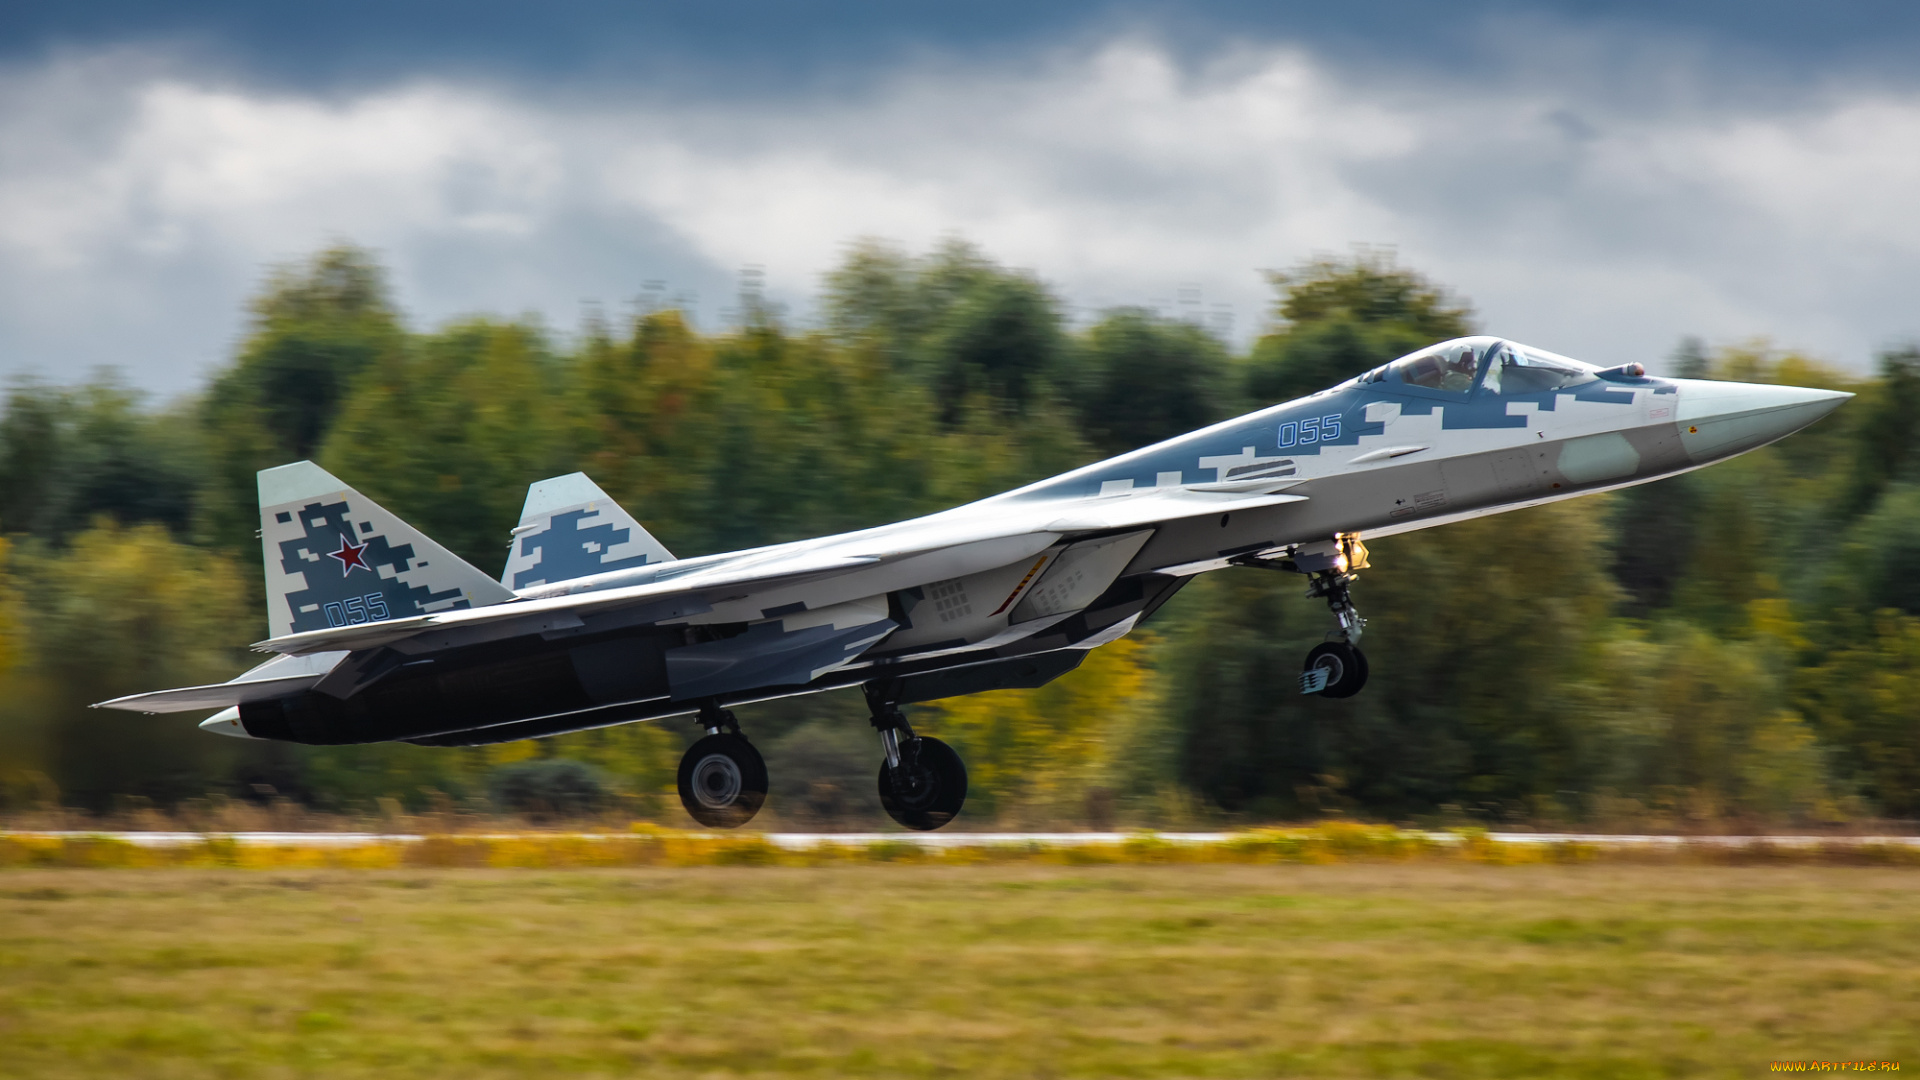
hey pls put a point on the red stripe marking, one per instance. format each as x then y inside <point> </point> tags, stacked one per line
<point>1017,588</point>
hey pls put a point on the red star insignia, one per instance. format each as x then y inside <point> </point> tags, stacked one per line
<point>350,557</point>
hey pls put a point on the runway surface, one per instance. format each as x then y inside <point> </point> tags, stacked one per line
<point>949,840</point>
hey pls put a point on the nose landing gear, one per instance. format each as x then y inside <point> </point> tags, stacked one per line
<point>923,782</point>
<point>723,779</point>
<point>1335,668</point>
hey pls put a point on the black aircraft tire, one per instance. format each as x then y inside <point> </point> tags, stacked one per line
<point>1346,668</point>
<point>723,781</point>
<point>936,785</point>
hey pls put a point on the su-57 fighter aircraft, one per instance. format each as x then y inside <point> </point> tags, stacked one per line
<point>381,634</point>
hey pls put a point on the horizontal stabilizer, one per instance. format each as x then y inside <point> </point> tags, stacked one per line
<point>278,677</point>
<point>212,696</point>
<point>570,529</point>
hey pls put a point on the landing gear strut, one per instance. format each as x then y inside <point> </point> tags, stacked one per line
<point>723,780</point>
<point>1336,668</point>
<point>923,782</point>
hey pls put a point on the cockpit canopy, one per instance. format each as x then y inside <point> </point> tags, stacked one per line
<point>1506,368</point>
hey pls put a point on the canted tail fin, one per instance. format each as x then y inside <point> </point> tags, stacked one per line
<point>337,558</point>
<point>571,529</point>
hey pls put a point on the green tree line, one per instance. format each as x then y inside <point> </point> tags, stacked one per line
<point>1738,643</point>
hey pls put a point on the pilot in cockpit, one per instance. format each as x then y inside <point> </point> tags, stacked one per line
<point>1452,369</point>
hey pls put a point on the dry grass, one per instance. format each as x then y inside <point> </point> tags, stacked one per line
<point>643,844</point>
<point>1425,968</point>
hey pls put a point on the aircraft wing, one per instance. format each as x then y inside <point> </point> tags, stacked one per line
<point>1152,507</point>
<point>955,543</point>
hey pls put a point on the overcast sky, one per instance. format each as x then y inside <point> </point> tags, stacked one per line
<point>1598,179</point>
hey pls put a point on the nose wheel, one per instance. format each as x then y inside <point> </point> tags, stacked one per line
<point>723,779</point>
<point>1336,668</point>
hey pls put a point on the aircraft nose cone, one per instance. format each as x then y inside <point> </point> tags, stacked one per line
<point>225,722</point>
<point>1720,419</point>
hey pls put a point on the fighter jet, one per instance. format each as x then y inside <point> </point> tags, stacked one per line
<point>378,633</point>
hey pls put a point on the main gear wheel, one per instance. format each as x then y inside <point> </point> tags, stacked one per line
<point>926,789</point>
<point>723,781</point>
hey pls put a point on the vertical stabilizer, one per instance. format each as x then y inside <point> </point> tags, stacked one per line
<point>337,558</point>
<point>571,529</point>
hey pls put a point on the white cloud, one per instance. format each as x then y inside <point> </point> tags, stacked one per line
<point>139,200</point>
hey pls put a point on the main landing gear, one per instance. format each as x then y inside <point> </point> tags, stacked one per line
<point>723,780</point>
<point>923,782</point>
<point>1335,668</point>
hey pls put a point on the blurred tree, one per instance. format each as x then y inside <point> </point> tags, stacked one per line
<point>1244,739</point>
<point>647,433</point>
<point>1888,422</point>
<point>810,441</point>
<point>1369,288</point>
<point>1657,524</point>
<point>1483,629</point>
<point>1860,698</point>
<point>1034,756</point>
<point>1690,360</point>
<point>123,610</point>
<point>316,327</point>
<point>1477,636</point>
<point>638,761</point>
<point>548,788</point>
<point>13,614</point>
<point>971,330</point>
<point>642,760</point>
<point>68,456</point>
<point>823,766</point>
<point>1878,566</point>
<point>1001,339</point>
<point>449,433</point>
<point>1656,527</point>
<point>129,608</point>
<point>873,302</point>
<point>1765,523</point>
<point>1697,729</point>
<point>1146,379</point>
<point>24,782</point>
<point>353,779</point>
<point>1340,317</point>
<point>763,436</point>
<point>1250,742</point>
<point>32,499</point>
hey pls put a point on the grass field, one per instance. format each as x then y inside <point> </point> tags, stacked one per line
<point>1414,969</point>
